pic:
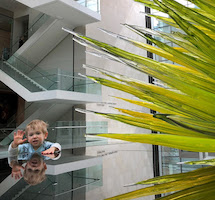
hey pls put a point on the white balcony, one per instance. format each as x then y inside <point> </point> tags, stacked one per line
<point>68,90</point>
<point>69,11</point>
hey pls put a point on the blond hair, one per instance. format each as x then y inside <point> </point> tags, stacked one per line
<point>37,124</point>
<point>33,178</point>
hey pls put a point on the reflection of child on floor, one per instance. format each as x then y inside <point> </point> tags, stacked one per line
<point>34,170</point>
<point>36,133</point>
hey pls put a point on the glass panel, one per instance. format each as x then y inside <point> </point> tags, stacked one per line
<point>69,183</point>
<point>37,79</point>
<point>93,5</point>
<point>72,134</point>
<point>61,80</point>
<point>37,23</point>
<point>169,158</point>
<point>20,77</point>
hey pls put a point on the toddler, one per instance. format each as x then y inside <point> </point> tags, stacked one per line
<point>36,133</point>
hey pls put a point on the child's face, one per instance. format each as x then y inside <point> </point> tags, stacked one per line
<point>36,137</point>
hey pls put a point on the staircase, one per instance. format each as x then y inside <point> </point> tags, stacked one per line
<point>18,75</point>
<point>21,64</point>
<point>20,72</point>
<point>41,42</point>
<point>21,192</point>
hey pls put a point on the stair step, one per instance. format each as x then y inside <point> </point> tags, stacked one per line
<point>26,77</point>
<point>21,192</point>
<point>24,82</point>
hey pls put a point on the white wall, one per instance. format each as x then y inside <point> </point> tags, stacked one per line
<point>133,161</point>
<point>21,11</point>
<point>79,53</point>
<point>60,57</point>
<point>123,164</point>
<point>113,13</point>
<point>33,14</point>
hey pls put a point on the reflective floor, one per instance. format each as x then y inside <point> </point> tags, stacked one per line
<point>94,171</point>
<point>41,177</point>
<point>99,169</point>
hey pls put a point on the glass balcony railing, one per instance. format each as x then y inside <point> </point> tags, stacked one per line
<point>78,134</point>
<point>170,156</point>
<point>57,79</point>
<point>93,5</point>
<point>40,79</point>
<point>73,134</point>
<point>37,23</point>
<point>20,78</point>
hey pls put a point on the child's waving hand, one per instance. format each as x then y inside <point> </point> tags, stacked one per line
<point>18,138</point>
